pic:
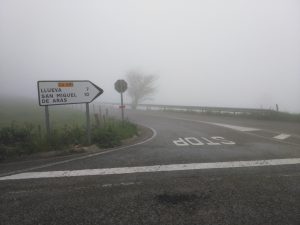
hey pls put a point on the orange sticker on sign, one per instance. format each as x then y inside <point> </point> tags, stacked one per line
<point>65,84</point>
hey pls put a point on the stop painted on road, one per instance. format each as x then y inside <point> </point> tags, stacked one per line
<point>211,141</point>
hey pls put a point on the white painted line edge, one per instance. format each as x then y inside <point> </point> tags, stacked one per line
<point>238,128</point>
<point>282,136</point>
<point>233,127</point>
<point>85,156</point>
<point>151,169</point>
<point>245,129</point>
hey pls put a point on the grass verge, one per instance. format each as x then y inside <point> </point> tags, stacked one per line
<point>22,130</point>
<point>23,139</point>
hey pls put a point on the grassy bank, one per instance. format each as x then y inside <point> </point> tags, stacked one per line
<point>24,139</point>
<point>28,111</point>
<point>22,129</point>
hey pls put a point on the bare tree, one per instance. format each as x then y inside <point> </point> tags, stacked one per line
<point>140,87</point>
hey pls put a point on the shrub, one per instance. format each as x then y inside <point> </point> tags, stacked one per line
<point>112,132</point>
<point>106,138</point>
<point>17,140</point>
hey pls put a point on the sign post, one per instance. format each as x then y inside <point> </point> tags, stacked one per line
<point>88,123</point>
<point>67,92</point>
<point>47,119</point>
<point>121,87</point>
<point>122,107</point>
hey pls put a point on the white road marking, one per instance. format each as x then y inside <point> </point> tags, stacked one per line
<point>193,141</point>
<point>282,136</point>
<point>291,175</point>
<point>187,141</point>
<point>85,156</point>
<point>180,142</point>
<point>248,128</point>
<point>233,127</point>
<point>122,184</point>
<point>151,169</point>
<point>127,183</point>
<point>239,128</point>
<point>18,192</point>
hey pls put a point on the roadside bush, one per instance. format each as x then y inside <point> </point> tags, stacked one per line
<point>65,136</point>
<point>17,140</point>
<point>112,132</point>
<point>106,138</point>
<point>126,130</point>
<point>15,134</point>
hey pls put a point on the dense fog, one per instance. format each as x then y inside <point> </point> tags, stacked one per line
<point>235,53</point>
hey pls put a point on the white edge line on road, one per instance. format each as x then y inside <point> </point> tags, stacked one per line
<point>282,136</point>
<point>233,127</point>
<point>244,131</point>
<point>154,134</point>
<point>151,169</point>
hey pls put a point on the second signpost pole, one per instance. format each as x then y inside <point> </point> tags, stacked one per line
<point>121,87</point>
<point>122,107</point>
<point>88,123</point>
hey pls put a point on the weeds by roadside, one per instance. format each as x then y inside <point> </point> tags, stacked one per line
<point>112,133</point>
<point>24,139</point>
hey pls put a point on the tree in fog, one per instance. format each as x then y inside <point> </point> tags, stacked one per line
<point>140,87</point>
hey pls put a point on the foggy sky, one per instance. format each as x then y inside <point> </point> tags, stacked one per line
<point>233,53</point>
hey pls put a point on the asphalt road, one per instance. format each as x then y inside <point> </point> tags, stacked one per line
<point>193,170</point>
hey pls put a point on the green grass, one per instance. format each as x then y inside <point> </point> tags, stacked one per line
<point>22,129</point>
<point>28,111</point>
<point>112,132</point>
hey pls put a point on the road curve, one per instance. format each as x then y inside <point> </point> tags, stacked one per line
<point>196,170</point>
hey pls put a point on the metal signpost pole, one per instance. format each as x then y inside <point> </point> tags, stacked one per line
<point>88,125</point>
<point>121,87</point>
<point>122,107</point>
<point>47,121</point>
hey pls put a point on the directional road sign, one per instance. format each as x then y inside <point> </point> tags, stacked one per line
<point>67,92</point>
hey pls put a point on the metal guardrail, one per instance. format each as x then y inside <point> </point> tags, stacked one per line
<point>203,109</point>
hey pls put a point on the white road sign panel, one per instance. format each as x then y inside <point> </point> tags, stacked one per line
<point>67,92</point>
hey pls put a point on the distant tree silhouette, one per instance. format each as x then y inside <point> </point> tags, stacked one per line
<point>140,87</point>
